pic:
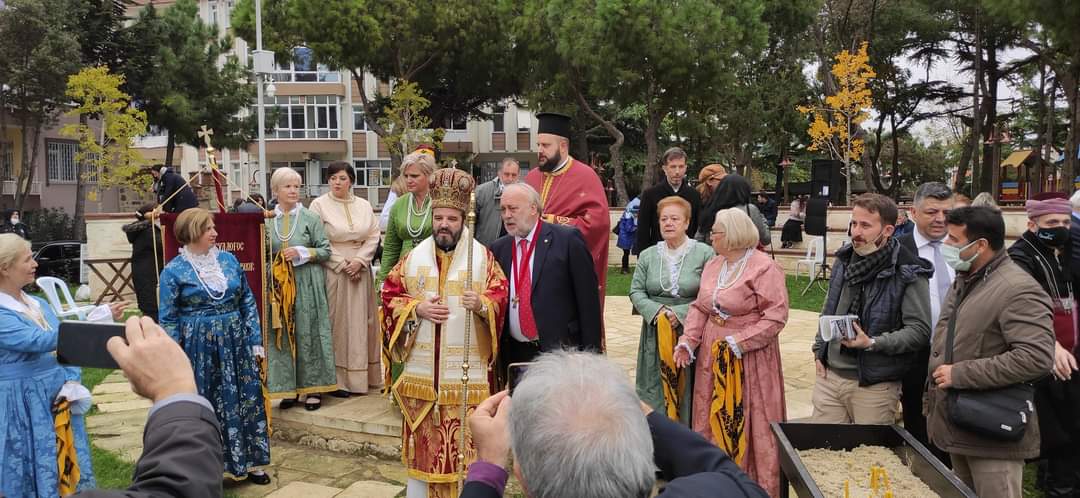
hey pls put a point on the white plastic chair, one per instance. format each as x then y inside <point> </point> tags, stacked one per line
<point>814,251</point>
<point>49,286</point>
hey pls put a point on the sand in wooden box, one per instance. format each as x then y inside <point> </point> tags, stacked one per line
<point>858,473</point>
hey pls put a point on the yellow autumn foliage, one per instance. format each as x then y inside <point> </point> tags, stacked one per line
<point>835,123</point>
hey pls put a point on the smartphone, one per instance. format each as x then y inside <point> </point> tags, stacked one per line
<point>82,344</point>
<point>514,372</point>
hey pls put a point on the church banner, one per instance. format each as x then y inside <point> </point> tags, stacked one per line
<point>239,233</point>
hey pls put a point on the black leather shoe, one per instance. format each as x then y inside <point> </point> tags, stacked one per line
<point>262,478</point>
<point>288,403</point>
<point>341,393</point>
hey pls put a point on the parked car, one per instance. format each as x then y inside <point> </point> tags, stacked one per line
<point>58,259</point>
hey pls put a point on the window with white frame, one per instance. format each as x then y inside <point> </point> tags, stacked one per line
<point>373,173</point>
<point>302,68</point>
<point>60,165</point>
<point>236,175</point>
<point>497,119</point>
<point>524,119</point>
<point>456,124</point>
<point>7,160</point>
<point>305,116</point>
<point>359,123</point>
<point>90,170</point>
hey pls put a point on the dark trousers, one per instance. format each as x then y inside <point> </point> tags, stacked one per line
<point>625,260</point>
<point>514,351</point>
<point>911,399</point>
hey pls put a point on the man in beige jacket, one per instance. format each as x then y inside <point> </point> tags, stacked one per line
<point>1003,336</point>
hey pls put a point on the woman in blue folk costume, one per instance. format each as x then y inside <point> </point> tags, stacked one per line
<point>43,447</point>
<point>208,308</point>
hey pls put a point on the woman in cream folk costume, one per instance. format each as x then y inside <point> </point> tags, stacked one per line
<point>208,308</point>
<point>299,349</point>
<point>43,446</point>
<point>353,230</point>
<point>436,317</point>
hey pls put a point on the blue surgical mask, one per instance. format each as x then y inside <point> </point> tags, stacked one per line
<point>952,256</point>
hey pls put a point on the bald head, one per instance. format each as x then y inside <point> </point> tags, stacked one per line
<point>521,207</point>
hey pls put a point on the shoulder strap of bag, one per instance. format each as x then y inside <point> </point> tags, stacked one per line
<point>951,336</point>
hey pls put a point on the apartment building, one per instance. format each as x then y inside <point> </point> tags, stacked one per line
<point>55,173</point>
<point>318,119</point>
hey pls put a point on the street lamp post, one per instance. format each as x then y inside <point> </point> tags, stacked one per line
<point>264,66</point>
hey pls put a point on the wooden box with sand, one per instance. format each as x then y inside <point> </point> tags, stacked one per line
<point>860,461</point>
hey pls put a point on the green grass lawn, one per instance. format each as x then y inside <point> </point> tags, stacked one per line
<point>618,284</point>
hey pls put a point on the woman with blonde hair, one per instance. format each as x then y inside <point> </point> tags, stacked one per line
<point>209,309</point>
<point>665,282</point>
<point>353,230</point>
<point>410,218</point>
<point>44,451</point>
<point>299,352</point>
<point>733,326</point>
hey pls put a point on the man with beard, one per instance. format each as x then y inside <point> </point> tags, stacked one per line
<point>886,285</point>
<point>430,309</point>
<point>1043,252</point>
<point>571,191</point>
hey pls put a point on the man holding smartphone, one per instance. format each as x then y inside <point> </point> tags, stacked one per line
<point>886,285</point>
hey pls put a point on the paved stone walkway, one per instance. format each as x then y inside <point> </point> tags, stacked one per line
<point>348,448</point>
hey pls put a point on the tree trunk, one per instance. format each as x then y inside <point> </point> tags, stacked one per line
<point>1072,143</point>
<point>1041,138</point>
<point>80,188</point>
<point>976,107</point>
<point>993,75</point>
<point>170,146</point>
<point>652,145</point>
<point>964,163</point>
<point>614,149</point>
<point>26,173</point>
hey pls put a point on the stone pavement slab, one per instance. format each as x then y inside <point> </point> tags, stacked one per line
<point>305,490</point>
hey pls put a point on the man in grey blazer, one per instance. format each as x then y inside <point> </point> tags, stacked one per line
<point>489,225</point>
<point>182,453</point>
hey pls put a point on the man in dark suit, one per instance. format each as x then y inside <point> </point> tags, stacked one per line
<point>674,167</point>
<point>167,183</point>
<point>548,432</point>
<point>182,453</point>
<point>554,295</point>
<point>932,201</point>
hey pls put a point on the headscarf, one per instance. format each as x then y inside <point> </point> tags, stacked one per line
<point>1049,205</point>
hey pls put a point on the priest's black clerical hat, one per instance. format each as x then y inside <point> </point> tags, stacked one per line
<point>554,123</point>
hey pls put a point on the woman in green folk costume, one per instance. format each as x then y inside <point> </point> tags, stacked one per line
<point>665,283</point>
<point>299,350</point>
<point>410,218</point>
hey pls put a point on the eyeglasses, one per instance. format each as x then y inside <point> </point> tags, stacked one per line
<point>714,234</point>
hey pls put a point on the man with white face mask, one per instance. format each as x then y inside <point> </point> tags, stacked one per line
<point>886,285</point>
<point>1000,322</point>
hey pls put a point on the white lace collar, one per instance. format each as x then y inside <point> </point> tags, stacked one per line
<point>33,311</point>
<point>294,211</point>
<point>207,269</point>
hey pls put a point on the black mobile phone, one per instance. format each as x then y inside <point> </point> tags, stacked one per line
<point>514,372</point>
<point>82,344</point>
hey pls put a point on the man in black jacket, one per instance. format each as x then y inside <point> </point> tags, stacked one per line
<point>886,286</point>
<point>674,166</point>
<point>167,182</point>
<point>554,295</point>
<point>1043,252</point>
<point>575,414</point>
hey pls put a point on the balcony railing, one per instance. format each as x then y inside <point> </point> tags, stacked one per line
<point>8,188</point>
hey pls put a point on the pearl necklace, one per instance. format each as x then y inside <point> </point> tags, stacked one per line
<point>722,281</point>
<point>206,262</point>
<point>277,229</point>
<point>673,268</point>
<point>425,212</point>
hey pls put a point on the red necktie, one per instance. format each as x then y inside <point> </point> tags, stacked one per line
<point>523,286</point>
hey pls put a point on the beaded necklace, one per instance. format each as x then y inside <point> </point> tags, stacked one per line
<point>292,230</point>
<point>722,281</point>
<point>206,263</point>
<point>425,214</point>
<point>673,268</point>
